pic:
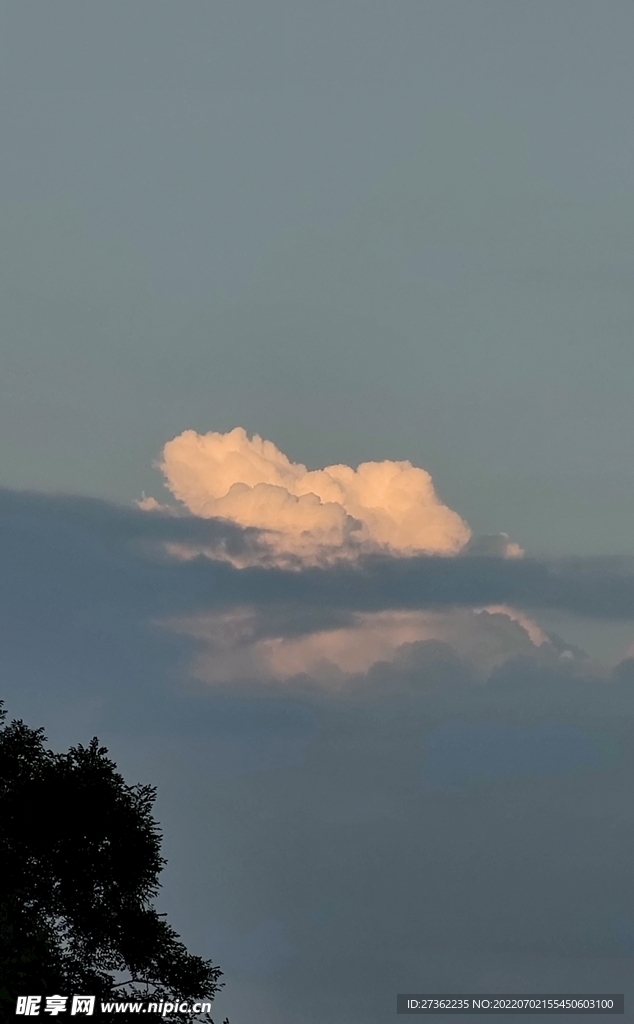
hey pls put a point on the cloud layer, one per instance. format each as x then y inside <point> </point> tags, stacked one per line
<point>243,644</point>
<point>427,824</point>
<point>317,516</point>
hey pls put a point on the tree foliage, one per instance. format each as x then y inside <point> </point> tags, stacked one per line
<point>80,858</point>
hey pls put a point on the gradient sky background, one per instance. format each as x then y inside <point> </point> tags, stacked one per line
<point>360,230</point>
<point>365,231</point>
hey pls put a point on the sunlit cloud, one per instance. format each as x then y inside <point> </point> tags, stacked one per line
<point>537,635</point>
<point>309,518</point>
<point>317,516</point>
<point>238,645</point>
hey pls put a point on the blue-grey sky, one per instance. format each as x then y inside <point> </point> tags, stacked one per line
<point>364,231</point>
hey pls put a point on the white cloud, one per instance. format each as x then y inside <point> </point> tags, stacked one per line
<point>315,516</point>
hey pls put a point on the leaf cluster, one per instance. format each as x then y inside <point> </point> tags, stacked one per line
<point>80,858</point>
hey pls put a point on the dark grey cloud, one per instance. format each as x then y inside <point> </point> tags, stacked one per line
<point>512,870</point>
<point>601,587</point>
<point>121,524</point>
<point>308,852</point>
<point>79,547</point>
<point>460,755</point>
<point>82,587</point>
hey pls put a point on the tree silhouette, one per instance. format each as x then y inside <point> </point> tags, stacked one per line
<point>80,857</point>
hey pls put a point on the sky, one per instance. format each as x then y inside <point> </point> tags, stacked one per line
<point>316,482</point>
